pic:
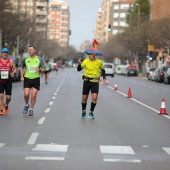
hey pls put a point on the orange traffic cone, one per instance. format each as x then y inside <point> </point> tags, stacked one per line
<point>115,87</point>
<point>129,95</point>
<point>163,108</point>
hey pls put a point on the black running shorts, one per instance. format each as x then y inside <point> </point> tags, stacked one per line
<point>90,86</point>
<point>29,83</point>
<point>7,87</point>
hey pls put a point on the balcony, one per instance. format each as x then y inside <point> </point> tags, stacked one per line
<point>41,12</point>
<point>43,4</point>
<point>42,21</point>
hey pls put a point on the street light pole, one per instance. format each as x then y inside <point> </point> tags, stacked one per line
<point>138,15</point>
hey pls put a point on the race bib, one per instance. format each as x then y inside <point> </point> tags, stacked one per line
<point>4,74</point>
<point>32,69</point>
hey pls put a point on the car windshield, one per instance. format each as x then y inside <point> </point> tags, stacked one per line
<point>152,69</point>
<point>107,66</point>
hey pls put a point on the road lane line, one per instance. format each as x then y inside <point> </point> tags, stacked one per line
<point>166,149</point>
<point>32,138</point>
<point>157,111</point>
<point>51,103</point>
<point>53,98</point>
<point>47,110</point>
<point>41,121</point>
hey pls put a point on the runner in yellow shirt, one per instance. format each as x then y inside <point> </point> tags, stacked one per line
<point>91,77</point>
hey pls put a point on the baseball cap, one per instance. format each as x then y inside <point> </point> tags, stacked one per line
<point>4,50</point>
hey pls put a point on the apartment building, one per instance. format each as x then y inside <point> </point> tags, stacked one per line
<point>37,9</point>
<point>59,22</point>
<point>101,33</point>
<point>113,13</point>
<point>160,9</point>
<point>118,11</point>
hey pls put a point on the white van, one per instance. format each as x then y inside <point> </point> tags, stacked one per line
<point>109,69</point>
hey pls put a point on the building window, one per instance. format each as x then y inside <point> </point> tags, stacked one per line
<point>124,6</point>
<point>116,6</point>
<point>122,15</point>
<point>115,23</point>
<point>115,15</point>
<point>115,31</point>
<point>123,24</point>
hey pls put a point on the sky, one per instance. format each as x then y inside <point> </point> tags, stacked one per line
<point>83,17</point>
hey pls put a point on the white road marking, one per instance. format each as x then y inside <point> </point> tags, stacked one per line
<point>53,97</point>
<point>45,158</point>
<point>55,94</point>
<point>157,111</point>
<point>2,144</point>
<point>117,149</point>
<point>122,160</point>
<point>55,149</point>
<point>32,138</point>
<point>51,103</point>
<point>47,110</point>
<point>41,121</point>
<point>110,152</point>
<point>51,147</point>
<point>166,149</point>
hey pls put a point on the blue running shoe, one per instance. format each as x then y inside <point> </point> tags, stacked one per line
<point>83,114</point>
<point>91,116</point>
<point>25,110</point>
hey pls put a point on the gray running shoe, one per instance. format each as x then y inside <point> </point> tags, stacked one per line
<point>25,110</point>
<point>30,113</point>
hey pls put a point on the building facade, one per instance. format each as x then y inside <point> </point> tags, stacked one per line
<point>160,9</point>
<point>59,22</point>
<point>37,10</point>
<point>113,13</point>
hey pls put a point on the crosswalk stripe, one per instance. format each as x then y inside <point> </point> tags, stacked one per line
<point>45,158</point>
<point>117,149</point>
<point>117,154</point>
<point>51,147</point>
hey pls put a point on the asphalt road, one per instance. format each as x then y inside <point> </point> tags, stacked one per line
<point>127,133</point>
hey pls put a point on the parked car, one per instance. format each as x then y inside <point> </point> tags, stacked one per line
<point>109,69</point>
<point>154,74</point>
<point>16,62</point>
<point>160,74</point>
<point>131,72</point>
<point>150,72</point>
<point>167,76</point>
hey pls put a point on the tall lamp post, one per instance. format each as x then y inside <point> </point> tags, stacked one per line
<point>138,14</point>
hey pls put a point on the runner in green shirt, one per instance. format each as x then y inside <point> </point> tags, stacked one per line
<point>33,65</point>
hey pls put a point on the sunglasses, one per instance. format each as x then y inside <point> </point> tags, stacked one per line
<point>90,53</point>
